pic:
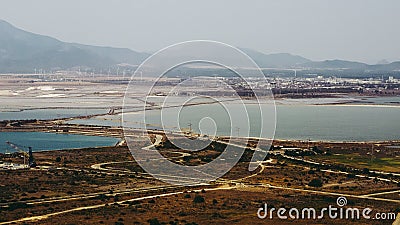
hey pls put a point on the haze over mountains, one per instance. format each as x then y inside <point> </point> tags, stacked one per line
<point>23,52</point>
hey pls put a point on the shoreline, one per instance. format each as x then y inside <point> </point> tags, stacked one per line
<point>89,132</point>
<point>356,105</point>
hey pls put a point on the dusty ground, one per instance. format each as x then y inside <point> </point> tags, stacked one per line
<point>74,183</point>
<point>220,207</point>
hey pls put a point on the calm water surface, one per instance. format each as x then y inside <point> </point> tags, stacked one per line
<point>41,141</point>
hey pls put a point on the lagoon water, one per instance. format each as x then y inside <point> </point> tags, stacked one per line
<point>297,122</point>
<point>44,114</point>
<point>294,122</point>
<point>338,123</point>
<point>41,141</point>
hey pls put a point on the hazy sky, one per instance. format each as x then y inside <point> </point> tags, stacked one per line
<point>362,30</point>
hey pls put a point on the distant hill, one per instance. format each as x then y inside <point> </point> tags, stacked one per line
<point>336,64</point>
<point>349,65</point>
<point>278,60</point>
<point>394,66</point>
<point>287,61</point>
<point>22,51</point>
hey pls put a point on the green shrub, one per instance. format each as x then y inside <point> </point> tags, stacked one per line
<point>315,183</point>
<point>198,199</point>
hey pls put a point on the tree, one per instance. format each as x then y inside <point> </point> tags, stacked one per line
<point>315,183</point>
<point>154,221</point>
<point>198,199</point>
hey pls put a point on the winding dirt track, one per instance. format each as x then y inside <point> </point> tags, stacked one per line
<point>42,217</point>
<point>238,185</point>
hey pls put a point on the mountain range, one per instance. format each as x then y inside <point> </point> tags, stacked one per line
<point>23,52</point>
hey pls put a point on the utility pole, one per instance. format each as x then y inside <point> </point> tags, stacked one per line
<point>190,127</point>
<point>238,131</point>
<point>372,152</point>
